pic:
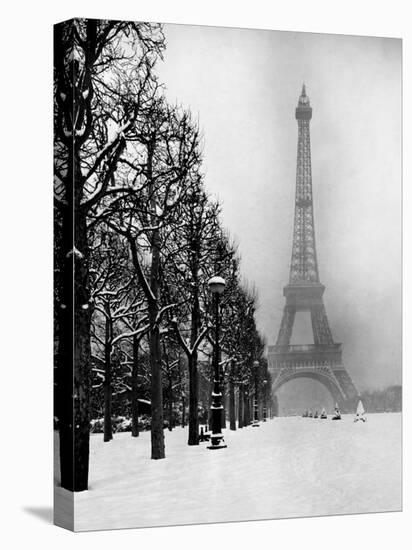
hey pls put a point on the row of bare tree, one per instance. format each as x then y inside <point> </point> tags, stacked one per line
<point>136,239</point>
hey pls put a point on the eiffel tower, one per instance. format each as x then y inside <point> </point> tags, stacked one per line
<point>322,360</point>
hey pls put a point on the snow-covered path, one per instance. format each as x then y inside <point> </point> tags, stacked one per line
<point>286,468</point>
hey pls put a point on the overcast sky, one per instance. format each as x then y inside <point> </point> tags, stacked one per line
<point>243,85</point>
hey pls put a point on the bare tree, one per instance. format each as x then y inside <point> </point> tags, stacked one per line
<point>103,79</point>
<point>161,160</point>
<point>117,303</point>
<point>190,264</point>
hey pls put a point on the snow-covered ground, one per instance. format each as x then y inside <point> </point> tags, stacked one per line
<point>288,467</point>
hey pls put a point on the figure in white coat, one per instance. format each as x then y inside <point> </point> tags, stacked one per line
<point>360,413</point>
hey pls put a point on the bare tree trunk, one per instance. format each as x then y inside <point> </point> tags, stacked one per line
<point>156,387</point>
<point>157,435</point>
<point>182,394</point>
<point>246,408</point>
<point>193,438</point>
<point>156,391</point>
<point>251,401</point>
<point>74,353</point>
<point>237,403</point>
<point>107,386</point>
<point>241,406</point>
<point>183,410</point>
<point>209,405</point>
<point>232,414</point>
<point>224,404</point>
<point>135,385</point>
<point>170,402</point>
<point>108,434</point>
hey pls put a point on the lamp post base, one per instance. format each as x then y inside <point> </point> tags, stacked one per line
<point>217,442</point>
<point>216,447</point>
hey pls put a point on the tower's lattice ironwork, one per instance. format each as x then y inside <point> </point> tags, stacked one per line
<point>322,360</point>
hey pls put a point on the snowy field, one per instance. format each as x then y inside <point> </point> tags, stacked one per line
<point>288,467</point>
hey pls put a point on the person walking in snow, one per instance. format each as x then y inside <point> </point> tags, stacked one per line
<point>360,413</point>
<point>337,415</point>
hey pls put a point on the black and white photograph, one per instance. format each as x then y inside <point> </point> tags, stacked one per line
<point>227,274</point>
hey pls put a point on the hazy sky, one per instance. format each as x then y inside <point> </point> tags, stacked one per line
<point>243,85</point>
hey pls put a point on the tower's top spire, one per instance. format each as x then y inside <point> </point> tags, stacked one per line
<point>304,110</point>
<point>304,265</point>
<point>303,98</point>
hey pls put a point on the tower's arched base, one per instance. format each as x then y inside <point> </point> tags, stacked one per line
<point>304,362</point>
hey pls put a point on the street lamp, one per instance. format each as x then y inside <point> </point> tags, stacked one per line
<point>246,406</point>
<point>264,399</point>
<point>256,405</point>
<point>216,287</point>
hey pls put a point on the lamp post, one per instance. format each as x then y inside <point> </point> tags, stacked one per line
<point>241,404</point>
<point>246,406</point>
<point>216,287</point>
<point>232,413</point>
<point>223,378</point>
<point>256,405</point>
<point>264,400</point>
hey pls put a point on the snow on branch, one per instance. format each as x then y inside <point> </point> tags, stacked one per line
<point>180,338</point>
<point>162,311</point>
<point>187,349</point>
<point>142,278</point>
<point>107,149</point>
<point>130,334</point>
<point>200,338</point>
